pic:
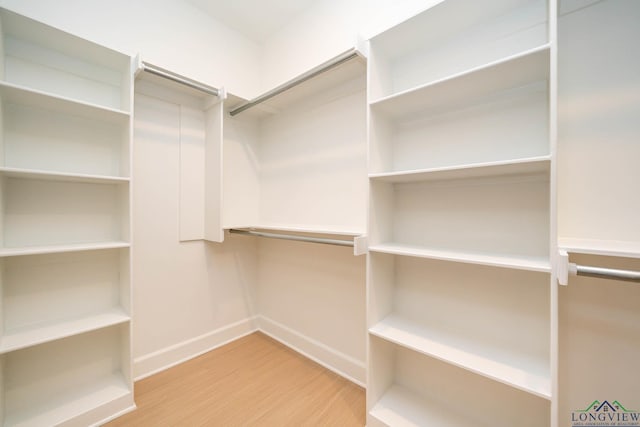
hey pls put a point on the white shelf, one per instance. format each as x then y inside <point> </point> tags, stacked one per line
<point>472,85</point>
<point>42,132</point>
<point>47,59</point>
<point>60,176</point>
<point>71,403</point>
<point>496,260</point>
<point>26,337</point>
<point>52,249</point>
<point>600,247</point>
<point>531,376</point>
<point>528,166</point>
<point>41,212</point>
<point>16,94</point>
<point>452,37</point>
<point>401,407</point>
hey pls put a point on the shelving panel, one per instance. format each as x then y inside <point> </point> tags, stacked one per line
<point>62,380</point>
<point>451,37</point>
<point>532,263</point>
<point>46,59</point>
<point>505,216</point>
<point>53,249</point>
<point>55,176</point>
<point>528,166</point>
<point>498,113</point>
<point>401,407</point>
<point>40,212</point>
<point>19,339</point>
<point>411,301</point>
<point>421,391</point>
<point>43,132</point>
<point>532,376</point>
<point>48,297</point>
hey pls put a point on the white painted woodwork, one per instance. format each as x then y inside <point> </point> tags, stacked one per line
<point>65,345</point>
<point>452,37</point>
<point>423,295</point>
<point>59,381</point>
<point>495,216</point>
<point>418,390</point>
<point>462,218</point>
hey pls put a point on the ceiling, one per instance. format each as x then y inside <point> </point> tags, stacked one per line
<point>256,19</point>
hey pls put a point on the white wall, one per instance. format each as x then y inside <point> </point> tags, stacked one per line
<point>188,297</point>
<point>312,297</point>
<point>326,29</point>
<point>168,33</point>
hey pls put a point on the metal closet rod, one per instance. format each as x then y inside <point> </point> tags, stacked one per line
<point>604,273</point>
<point>326,66</point>
<point>150,68</point>
<point>321,240</point>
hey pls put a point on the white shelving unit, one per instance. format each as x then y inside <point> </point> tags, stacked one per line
<point>461,216</point>
<point>65,293</point>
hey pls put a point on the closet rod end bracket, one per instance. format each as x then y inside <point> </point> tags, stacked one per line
<point>563,267</point>
<point>360,245</point>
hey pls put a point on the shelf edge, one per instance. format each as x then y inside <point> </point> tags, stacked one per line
<point>460,75</point>
<point>543,392</point>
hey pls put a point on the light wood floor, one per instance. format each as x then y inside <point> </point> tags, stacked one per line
<point>252,381</point>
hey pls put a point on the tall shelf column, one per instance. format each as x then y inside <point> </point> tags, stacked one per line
<point>461,298</point>
<point>65,288</point>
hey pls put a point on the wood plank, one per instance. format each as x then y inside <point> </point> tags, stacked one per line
<point>252,381</point>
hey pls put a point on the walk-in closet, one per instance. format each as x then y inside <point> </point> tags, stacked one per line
<point>320,212</point>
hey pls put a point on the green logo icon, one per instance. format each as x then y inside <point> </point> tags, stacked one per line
<point>604,413</point>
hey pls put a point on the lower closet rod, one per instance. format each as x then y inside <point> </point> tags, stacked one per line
<point>604,273</point>
<point>292,237</point>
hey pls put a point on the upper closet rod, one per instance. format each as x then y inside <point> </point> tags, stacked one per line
<point>334,62</point>
<point>292,237</point>
<point>153,69</point>
<point>604,273</point>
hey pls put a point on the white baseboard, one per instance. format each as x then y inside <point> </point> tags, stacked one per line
<point>346,366</point>
<point>352,369</point>
<point>166,358</point>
